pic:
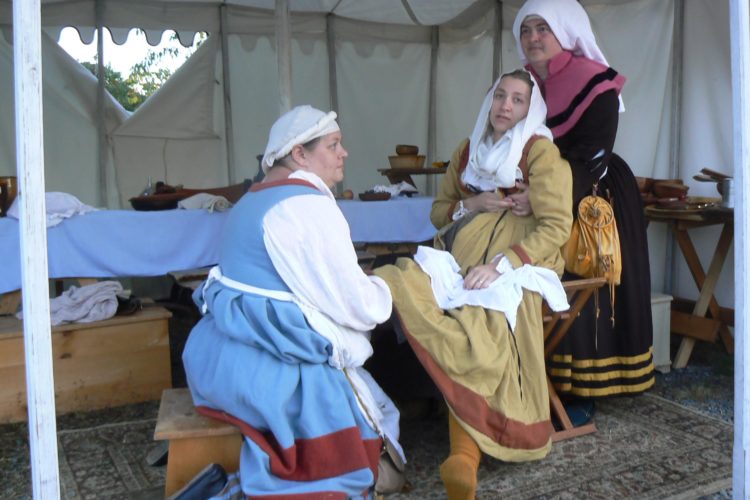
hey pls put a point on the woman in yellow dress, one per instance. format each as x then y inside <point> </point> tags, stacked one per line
<point>492,375</point>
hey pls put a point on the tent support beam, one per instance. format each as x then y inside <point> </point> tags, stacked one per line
<point>333,84</point>
<point>100,96</point>
<point>37,338</point>
<point>675,131</point>
<point>739,19</point>
<point>227,88</point>
<point>497,42</point>
<point>284,55</point>
<point>432,112</point>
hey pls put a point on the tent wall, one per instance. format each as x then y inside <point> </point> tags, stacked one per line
<point>70,124</point>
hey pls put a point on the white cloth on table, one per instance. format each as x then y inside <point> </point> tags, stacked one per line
<point>207,201</point>
<point>395,189</point>
<point>504,294</point>
<point>84,304</point>
<point>59,206</point>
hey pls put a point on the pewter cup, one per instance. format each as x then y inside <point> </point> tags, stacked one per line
<point>727,193</point>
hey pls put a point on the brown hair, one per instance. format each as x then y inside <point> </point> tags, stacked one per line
<point>520,74</point>
<point>309,145</point>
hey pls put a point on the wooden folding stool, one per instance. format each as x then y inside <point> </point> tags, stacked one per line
<point>556,326</point>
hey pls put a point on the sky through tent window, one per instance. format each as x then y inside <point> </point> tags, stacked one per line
<point>167,57</point>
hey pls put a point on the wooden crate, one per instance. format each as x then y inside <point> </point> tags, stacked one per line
<point>113,362</point>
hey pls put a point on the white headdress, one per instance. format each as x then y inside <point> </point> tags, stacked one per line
<point>297,126</point>
<point>571,25</point>
<point>496,165</point>
<point>568,21</point>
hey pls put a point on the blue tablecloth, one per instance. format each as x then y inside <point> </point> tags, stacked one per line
<point>111,243</point>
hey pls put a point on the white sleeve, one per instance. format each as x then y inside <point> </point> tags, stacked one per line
<point>309,242</point>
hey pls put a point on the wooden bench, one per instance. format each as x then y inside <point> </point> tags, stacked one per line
<point>556,326</point>
<point>121,360</point>
<point>194,440</point>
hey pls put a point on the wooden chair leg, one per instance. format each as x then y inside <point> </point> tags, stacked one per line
<point>556,327</point>
<point>567,430</point>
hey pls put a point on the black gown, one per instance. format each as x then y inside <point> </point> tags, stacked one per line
<point>596,358</point>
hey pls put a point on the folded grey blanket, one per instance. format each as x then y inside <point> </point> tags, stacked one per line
<point>84,304</point>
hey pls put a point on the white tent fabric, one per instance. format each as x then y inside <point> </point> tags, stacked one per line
<point>70,126</point>
<point>383,84</point>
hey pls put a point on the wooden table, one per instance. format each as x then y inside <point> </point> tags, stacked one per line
<point>704,323</point>
<point>397,175</point>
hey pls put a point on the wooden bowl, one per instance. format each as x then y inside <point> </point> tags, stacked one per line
<point>644,184</point>
<point>406,161</point>
<point>374,196</point>
<point>670,190</point>
<point>167,201</point>
<point>406,149</point>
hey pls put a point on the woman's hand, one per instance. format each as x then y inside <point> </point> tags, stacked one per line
<point>480,277</point>
<point>485,202</point>
<point>518,202</point>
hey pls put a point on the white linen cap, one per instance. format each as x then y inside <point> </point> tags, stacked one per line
<point>297,126</point>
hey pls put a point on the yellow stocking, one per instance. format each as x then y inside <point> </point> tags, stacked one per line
<point>459,471</point>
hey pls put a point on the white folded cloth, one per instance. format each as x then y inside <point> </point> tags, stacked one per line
<point>60,206</point>
<point>504,294</point>
<point>210,202</point>
<point>395,189</point>
<point>84,304</point>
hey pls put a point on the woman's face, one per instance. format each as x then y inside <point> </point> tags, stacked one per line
<point>510,104</point>
<point>538,43</point>
<point>326,159</point>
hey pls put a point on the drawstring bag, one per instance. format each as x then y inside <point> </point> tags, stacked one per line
<point>593,250</point>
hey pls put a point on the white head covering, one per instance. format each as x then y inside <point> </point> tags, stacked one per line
<point>297,126</point>
<point>568,21</point>
<point>496,165</point>
<point>571,25</point>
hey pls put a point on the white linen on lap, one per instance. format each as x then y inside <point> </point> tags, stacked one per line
<point>504,294</point>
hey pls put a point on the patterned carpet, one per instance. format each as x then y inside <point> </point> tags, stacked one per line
<point>647,447</point>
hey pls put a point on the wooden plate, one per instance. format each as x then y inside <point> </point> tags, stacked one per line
<point>689,205</point>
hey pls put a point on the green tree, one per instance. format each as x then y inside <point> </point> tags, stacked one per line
<point>146,77</point>
<point>120,88</point>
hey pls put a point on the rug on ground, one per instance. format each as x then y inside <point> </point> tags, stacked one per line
<point>646,447</point>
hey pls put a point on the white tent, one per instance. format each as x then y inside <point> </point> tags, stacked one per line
<point>383,55</point>
<point>409,71</point>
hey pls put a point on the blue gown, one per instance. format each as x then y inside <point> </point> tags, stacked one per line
<point>254,361</point>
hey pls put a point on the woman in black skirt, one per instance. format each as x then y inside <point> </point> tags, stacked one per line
<point>612,354</point>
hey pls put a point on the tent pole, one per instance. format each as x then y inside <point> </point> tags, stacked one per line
<point>37,341</point>
<point>100,118</point>
<point>333,84</point>
<point>432,113</point>
<point>739,17</point>
<point>228,122</point>
<point>675,131</point>
<point>284,55</point>
<point>497,42</point>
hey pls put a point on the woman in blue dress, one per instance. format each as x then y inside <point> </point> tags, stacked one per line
<point>285,331</point>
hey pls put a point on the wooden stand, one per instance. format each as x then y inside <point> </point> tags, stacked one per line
<point>194,440</point>
<point>113,362</point>
<point>397,175</point>
<point>705,320</point>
